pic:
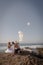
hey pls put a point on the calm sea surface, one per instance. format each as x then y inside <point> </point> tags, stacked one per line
<point>3,46</point>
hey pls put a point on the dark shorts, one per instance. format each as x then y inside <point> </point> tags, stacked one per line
<point>16,50</point>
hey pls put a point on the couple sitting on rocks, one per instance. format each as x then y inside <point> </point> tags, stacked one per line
<point>13,48</point>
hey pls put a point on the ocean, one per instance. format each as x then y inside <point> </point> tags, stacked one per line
<point>3,46</point>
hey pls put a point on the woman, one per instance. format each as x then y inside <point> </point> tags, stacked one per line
<point>9,49</point>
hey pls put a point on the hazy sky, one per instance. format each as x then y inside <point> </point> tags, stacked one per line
<point>14,16</point>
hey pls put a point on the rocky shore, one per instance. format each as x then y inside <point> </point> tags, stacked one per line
<point>21,59</point>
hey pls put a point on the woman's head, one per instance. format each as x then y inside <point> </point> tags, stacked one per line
<point>9,44</point>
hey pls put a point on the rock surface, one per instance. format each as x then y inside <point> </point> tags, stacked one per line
<point>20,59</point>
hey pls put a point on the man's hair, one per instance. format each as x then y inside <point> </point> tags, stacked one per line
<point>13,42</point>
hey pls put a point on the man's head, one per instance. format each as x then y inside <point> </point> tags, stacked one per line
<point>13,42</point>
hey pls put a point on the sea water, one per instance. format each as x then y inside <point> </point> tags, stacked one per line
<point>3,46</point>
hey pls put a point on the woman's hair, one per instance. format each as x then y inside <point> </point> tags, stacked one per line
<point>9,44</point>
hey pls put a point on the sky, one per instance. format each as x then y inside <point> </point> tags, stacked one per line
<point>25,16</point>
